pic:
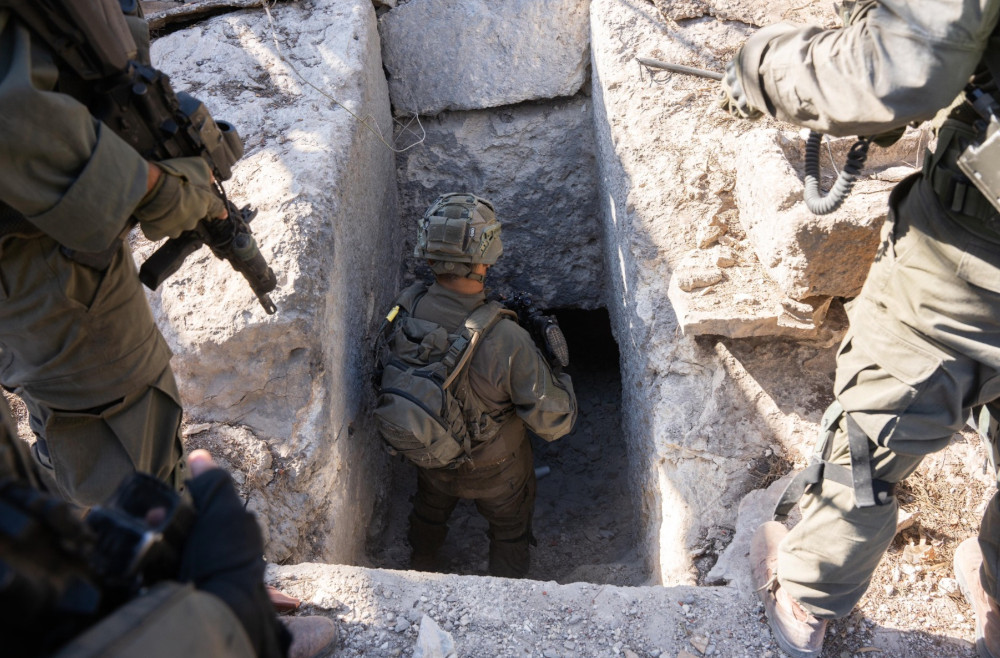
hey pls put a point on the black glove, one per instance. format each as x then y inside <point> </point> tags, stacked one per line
<point>732,97</point>
<point>223,556</point>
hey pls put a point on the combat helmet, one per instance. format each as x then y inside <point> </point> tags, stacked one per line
<point>458,231</point>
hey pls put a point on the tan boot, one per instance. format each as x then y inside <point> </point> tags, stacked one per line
<point>968,560</point>
<point>282,602</point>
<point>312,636</point>
<point>797,632</point>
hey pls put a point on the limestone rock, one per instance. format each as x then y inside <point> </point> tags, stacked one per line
<point>806,254</point>
<point>695,411</point>
<point>756,508</point>
<point>445,55</point>
<point>698,277</point>
<point>751,12</point>
<point>432,642</point>
<point>294,382</point>
<point>519,616</point>
<point>536,164</point>
<point>160,13</point>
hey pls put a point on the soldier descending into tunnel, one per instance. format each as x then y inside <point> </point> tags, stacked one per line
<point>459,384</point>
<point>923,349</point>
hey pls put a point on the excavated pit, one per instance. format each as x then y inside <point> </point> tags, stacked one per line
<point>584,519</point>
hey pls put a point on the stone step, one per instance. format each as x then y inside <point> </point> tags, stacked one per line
<point>380,613</point>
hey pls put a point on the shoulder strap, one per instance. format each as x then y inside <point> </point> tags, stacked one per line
<point>91,36</point>
<point>477,325</point>
<point>407,300</point>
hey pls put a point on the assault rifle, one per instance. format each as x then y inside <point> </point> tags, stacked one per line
<point>544,329</point>
<point>138,103</point>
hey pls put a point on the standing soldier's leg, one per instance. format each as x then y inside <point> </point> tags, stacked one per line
<point>509,508</point>
<point>827,560</point>
<point>923,348</point>
<point>80,346</point>
<point>432,507</point>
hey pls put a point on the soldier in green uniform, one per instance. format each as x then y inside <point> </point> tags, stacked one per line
<point>509,380</point>
<point>923,349</point>
<point>55,603</point>
<point>77,338</point>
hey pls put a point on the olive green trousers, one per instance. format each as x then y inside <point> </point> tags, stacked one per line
<point>922,352</point>
<point>504,493</point>
<point>79,345</point>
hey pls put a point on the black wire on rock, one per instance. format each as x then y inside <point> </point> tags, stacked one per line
<point>818,202</point>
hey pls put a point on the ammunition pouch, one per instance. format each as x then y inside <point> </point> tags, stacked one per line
<point>957,192</point>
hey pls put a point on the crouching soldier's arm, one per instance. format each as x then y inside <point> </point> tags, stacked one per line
<point>223,556</point>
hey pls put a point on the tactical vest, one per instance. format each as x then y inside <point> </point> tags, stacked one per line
<point>964,169</point>
<point>425,408</point>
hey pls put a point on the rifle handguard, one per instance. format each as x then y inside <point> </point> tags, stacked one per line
<point>230,240</point>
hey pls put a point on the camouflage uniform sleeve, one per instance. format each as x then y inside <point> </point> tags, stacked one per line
<point>517,373</point>
<point>68,174</point>
<point>901,62</point>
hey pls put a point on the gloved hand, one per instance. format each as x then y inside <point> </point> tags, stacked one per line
<point>181,198</point>
<point>732,97</point>
<point>223,555</point>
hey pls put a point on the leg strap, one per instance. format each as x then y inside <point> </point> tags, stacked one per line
<point>868,491</point>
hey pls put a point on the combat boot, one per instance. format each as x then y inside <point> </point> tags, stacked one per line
<point>426,539</point>
<point>968,560</point>
<point>510,558</point>
<point>798,633</point>
<point>311,635</point>
<point>282,602</point>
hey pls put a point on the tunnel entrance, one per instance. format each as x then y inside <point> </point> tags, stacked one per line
<point>584,519</point>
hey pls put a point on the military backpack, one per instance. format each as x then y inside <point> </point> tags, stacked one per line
<point>424,408</point>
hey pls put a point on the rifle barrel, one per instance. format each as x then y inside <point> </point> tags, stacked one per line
<point>678,68</point>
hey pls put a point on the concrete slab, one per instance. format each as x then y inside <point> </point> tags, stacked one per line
<point>323,186</point>
<point>444,55</point>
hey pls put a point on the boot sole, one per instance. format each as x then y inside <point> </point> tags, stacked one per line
<point>783,642</point>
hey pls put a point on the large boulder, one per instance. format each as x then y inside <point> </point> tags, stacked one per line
<point>445,55</point>
<point>536,164</point>
<point>706,420</point>
<point>281,398</point>
<point>811,255</point>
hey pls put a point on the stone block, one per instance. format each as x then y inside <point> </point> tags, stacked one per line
<point>294,382</point>
<point>445,55</point>
<point>160,13</point>
<point>698,412</point>
<point>536,164</point>
<point>806,254</point>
